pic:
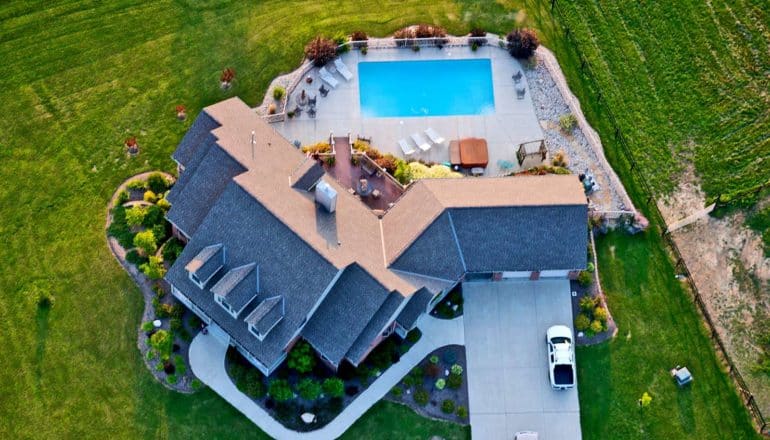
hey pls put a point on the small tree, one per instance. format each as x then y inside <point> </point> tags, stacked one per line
<point>334,387</point>
<point>157,183</point>
<point>522,43</point>
<point>227,77</point>
<point>645,400</point>
<point>309,389</point>
<point>278,93</point>
<point>162,342</point>
<point>153,268</point>
<point>135,215</point>
<point>320,51</point>
<point>145,241</point>
<point>301,358</point>
<point>280,390</point>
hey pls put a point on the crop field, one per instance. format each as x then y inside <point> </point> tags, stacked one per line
<point>79,77</point>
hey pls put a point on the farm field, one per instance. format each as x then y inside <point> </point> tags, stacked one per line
<point>79,77</point>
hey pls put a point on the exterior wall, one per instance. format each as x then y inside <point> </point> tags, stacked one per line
<point>516,274</point>
<point>189,304</point>
<point>554,273</point>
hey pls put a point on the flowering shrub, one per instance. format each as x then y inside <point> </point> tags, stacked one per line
<point>440,384</point>
<point>421,171</point>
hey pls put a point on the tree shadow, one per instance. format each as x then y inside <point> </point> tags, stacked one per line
<point>41,319</point>
<point>686,415</point>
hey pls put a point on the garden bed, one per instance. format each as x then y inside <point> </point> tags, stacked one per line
<point>304,384</point>
<point>451,306</point>
<point>422,390</point>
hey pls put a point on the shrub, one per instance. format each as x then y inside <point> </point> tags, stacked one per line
<point>162,341</point>
<point>153,216</point>
<point>478,33</point>
<point>409,381</point>
<point>175,324</point>
<point>422,171</point>
<point>121,198</point>
<point>559,159</point>
<point>145,241</point>
<point>448,406</point>
<point>150,196</point>
<point>301,358</point>
<point>351,390</point>
<point>404,37</point>
<point>397,391</point>
<point>600,314</point>
<point>454,381</point>
<point>413,336</point>
<point>440,384</point>
<point>136,185</point>
<point>456,369</point>
<point>172,379</point>
<point>339,40</point>
<point>159,231</point>
<point>582,322</point>
<point>157,183</point>
<point>462,412</point>
<point>474,46</point>
<point>196,384</point>
<point>596,326</point>
<point>278,93</point>
<point>359,39</point>
<point>432,370</point>
<point>321,147</point>
<point>587,304</point>
<point>388,163</point>
<point>147,327</point>
<point>403,173</point>
<point>585,278</point>
<point>135,215</point>
<point>163,204</point>
<point>590,268</point>
<point>194,321</point>
<point>172,250</point>
<point>433,359</point>
<point>280,390</point>
<point>417,372</point>
<point>334,387</point>
<point>567,122</point>
<point>320,51</point>
<point>421,397</point>
<point>252,383</point>
<point>522,43</point>
<point>309,389</point>
<point>154,268</point>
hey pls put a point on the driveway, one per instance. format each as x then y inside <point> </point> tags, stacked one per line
<point>508,385</point>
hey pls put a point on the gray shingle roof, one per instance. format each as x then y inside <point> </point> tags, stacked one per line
<point>188,148</point>
<point>372,330</point>
<point>523,238</point>
<point>417,305</point>
<point>344,313</point>
<point>191,202</point>
<point>307,174</point>
<point>207,262</point>
<point>238,286</point>
<point>206,144</point>
<point>434,253</point>
<point>287,266</point>
<point>267,315</point>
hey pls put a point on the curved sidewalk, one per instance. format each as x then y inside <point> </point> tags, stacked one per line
<point>207,359</point>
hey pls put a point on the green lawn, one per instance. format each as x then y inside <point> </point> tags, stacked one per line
<point>79,77</point>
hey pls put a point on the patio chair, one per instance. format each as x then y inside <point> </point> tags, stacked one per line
<point>297,111</point>
<point>312,100</point>
<point>516,77</point>
<point>434,136</point>
<point>311,112</point>
<point>327,77</point>
<point>323,90</point>
<point>408,150</point>
<point>422,144</point>
<point>342,69</point>
<point>520,92</point>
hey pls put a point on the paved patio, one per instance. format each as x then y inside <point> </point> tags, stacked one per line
<point>508,385</point>
<point>207,359</point>
<point>512,123</point>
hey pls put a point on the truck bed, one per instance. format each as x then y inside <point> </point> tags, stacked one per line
<point>562,374</point>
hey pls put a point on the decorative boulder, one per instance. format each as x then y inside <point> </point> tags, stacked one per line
<point>308,418</point>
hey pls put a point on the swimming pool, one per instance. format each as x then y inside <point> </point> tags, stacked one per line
<point>426,88</point>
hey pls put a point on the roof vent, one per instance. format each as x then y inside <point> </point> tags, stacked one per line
<point>326,196</point>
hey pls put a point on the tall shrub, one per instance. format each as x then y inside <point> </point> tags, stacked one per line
<point>145,241</point>
<point>522,43</point>
<point>320,51</point>
<point>301,357</point>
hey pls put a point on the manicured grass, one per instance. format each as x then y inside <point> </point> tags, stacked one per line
<point>78,77</point>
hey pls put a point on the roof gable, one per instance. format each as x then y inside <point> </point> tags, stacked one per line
<point>238,286</point>
<point>207,262</point>
<point>434,253</point>
<point>266,315</point>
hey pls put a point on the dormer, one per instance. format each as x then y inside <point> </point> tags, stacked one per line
<point>237,288</point>
<point>266,316</point>
<point>206,264</point>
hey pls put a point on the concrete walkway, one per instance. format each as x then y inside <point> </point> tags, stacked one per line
<point>207,359</point>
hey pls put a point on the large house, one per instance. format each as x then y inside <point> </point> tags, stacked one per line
<point>277,250</point>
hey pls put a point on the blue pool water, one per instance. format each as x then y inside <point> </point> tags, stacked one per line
<point>426,88</point>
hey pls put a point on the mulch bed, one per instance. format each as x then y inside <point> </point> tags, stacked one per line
<point>598,337</point>
<point>449,355</point>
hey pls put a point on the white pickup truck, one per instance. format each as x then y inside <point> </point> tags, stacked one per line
<point>561,357</point>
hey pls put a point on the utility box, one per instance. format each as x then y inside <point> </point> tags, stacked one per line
<point>326,196</point>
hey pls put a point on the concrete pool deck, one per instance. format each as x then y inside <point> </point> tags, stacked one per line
<point>513,122</point>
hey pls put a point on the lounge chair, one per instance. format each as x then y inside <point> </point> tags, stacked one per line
<point>297,111</point>
<point>520,92</point>
<point>311,101</point>
<point>422,144</point>
<point>311,112</point>
<point>342,69</point>
<point>327,77</point>
<point>408,150</point>
<point>323,90</point>
<point>434,136</point>
<point>516,76</point>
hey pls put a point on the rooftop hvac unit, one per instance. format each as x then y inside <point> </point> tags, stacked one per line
<point>326,196</point>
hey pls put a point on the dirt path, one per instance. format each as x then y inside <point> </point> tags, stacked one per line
<point>728,265</point>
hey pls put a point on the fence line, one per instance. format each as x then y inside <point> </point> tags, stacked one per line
<point>639,178</point>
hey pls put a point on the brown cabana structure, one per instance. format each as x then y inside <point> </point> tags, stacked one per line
<point>534,149</point>
<point>469,153</point>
